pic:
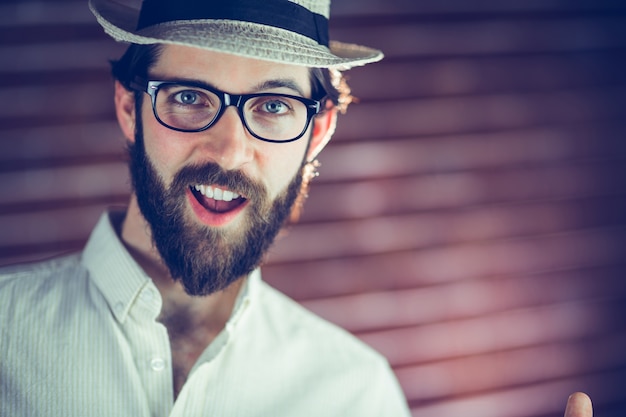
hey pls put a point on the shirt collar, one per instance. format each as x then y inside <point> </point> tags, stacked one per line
<point>247,293</point>
<point>114,271</point>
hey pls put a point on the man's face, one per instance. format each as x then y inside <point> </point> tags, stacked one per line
<point>216,199</point>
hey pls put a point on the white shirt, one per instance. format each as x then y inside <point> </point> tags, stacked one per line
<point>79,337</point>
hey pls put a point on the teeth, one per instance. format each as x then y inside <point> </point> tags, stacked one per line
<point>216,193</point>
<point>227,196</point>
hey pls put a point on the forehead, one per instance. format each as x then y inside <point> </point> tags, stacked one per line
<point>230,73</point>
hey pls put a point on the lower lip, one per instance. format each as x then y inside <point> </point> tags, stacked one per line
<point>210,218</point>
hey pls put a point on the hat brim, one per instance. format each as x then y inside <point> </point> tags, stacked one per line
<point>246,39</point>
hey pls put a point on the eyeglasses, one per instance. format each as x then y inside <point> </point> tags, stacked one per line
<point>194,107</point>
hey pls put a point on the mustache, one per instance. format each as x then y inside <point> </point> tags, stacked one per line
<point>212,174</point>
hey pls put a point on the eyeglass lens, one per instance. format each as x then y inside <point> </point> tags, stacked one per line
<point>273,117</point>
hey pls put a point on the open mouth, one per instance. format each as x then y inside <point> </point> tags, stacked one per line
<point>215,199</point>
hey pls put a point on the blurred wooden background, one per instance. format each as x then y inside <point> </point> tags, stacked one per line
<point>469,220</point>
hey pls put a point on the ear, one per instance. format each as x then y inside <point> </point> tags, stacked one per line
<point>125,110</point>
<point>323,128</point>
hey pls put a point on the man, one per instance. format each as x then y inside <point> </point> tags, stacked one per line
<point>224,106</point>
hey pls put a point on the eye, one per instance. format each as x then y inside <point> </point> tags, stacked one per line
<point>188,97</point>
<point>274,106</point>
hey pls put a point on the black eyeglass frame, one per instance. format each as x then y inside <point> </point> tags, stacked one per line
<point>151,87</point>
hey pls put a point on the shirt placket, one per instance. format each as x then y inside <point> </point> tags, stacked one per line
<point>150,346</point>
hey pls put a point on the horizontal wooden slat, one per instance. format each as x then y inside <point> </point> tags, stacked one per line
<point>466,298</point>
<point>33,12</point>
<point>510,368</point>
<point>406,232</point>
<point>32,229</point>
<point>32,146</point>
<point>560,322</point>
<point>400,195</point>
<point>408,269</point>
<point>84,55</point>
<point>482,113</point>
<point>445,153</point>
<point>66,183</point>
<point>546,399</point>
<point>56,101</point>
<point>445,38</point>
<point>486,74</point>
<point>428,7</point>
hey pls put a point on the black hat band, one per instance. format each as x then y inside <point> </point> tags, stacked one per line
<point>282,14</point>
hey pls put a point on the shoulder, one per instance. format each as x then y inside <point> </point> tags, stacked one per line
<point>40,269</point>
<point>39,281</point>
<point>318,358</point>
<point>302,331</point>
<point>40,297</point>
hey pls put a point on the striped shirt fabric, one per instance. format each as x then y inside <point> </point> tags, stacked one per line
<point>80,337</point>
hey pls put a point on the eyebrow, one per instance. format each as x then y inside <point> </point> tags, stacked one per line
<point>280,83</point>
<point>262,86</point>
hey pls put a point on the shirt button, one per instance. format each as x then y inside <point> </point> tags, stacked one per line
<point>157,364</point>
<point>119,307</point>
<point>147,295</point>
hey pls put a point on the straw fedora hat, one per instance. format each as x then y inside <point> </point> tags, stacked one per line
<point>285,31</point>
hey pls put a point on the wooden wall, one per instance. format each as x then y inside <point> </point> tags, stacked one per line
<point>469,220</point>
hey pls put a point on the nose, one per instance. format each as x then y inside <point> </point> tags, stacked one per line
<point>228,141</point>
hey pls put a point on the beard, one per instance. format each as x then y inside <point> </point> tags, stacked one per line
<point>205,259</point>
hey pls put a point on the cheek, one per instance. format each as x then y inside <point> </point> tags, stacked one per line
<point>166,151</point>
<point>283,164</point>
